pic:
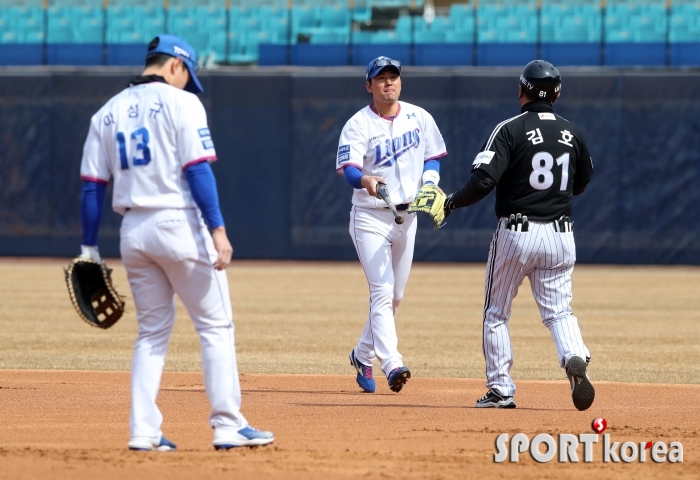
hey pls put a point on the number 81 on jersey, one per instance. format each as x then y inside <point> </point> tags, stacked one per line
<point>542,177</point>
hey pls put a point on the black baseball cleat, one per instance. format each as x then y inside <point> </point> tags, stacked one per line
<point>582,391</point>
<point>494,400</point>
<point>397,378</point>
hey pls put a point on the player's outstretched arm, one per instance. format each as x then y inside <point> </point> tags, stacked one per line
<point>223,247</point>
<point>477,187</point>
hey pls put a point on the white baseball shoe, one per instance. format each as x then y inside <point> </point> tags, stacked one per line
<point>146,444</point>
<point>245,437</point>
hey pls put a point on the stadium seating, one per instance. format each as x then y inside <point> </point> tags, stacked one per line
<point>22,34</point>
<point>129,29</point>
<point>635,33</point>
<point>570,34</point>
<point>204,28</point>
<point>330,32</point>
<point>684,34</point>
<point>506,34</point>
<point>75,34</point>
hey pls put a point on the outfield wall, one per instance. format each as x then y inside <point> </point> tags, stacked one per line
<point>276,134</point>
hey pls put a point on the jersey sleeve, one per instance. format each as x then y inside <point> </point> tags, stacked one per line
<point>584,168</point>
<point>434,143</point>
<point>193,137</point>
<point>352,147</point>
<point>495,154</point>
<point>94,166</point>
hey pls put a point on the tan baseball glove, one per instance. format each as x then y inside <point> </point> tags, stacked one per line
<point>431,200</point>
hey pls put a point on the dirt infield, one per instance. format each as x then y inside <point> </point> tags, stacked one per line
<point>64,390</point>
<point>66,425</point>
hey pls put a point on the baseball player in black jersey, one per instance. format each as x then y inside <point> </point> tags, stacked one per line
<point>537,161</point>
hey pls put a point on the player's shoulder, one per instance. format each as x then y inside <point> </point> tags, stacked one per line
<point>174,94</point>
<point>360,120</point>
<point>510,124</point>
<point>410,109</point>
<point>569,125</point>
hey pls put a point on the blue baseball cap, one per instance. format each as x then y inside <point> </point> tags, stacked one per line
<point>379,64</point>
<point>178,48</point>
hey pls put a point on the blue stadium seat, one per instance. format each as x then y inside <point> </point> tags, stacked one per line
<point>22,25</point>
<point>571,34</point>
<point>507,34</point>
<point>203,27</point>
<point>684,34</point>
<point>75,35</point>
<point>134,24</point>
<point>330,36</point>
<point>635,34</point>
<point>389,36</point>
<point>684,25</point>
<point>644,23</point>
<point>501,24</point>
<point>404,25</point>
<point>242,48</point>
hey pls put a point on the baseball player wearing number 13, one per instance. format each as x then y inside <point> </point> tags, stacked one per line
<point>153,140</point>
<point>538,161</point>
<point>397,144</point>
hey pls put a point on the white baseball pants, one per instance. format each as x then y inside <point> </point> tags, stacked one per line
<point>166,252</point>
<point>385,250</point>
<point>546,258</point>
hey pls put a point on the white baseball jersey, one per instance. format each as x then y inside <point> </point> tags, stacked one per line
<point>395,150</point>
<point>145,137</point>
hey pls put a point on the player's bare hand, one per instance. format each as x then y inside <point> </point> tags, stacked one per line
<point>370,183</point>
<point>223,248</point>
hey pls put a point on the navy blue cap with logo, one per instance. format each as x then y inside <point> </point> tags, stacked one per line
<point>178,48</point>
<point>379,64</point>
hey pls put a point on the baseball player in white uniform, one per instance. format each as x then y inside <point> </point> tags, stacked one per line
<point>397,144</point>
<point>153,140</point>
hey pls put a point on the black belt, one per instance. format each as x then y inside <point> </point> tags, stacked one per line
<point>402,206</point>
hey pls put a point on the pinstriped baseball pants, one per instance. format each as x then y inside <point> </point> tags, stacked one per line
<point>546,258</point>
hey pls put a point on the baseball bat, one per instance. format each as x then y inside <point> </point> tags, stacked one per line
<point>381,190</point>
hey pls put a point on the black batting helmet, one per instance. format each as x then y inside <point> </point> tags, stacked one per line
<point>541,80</point>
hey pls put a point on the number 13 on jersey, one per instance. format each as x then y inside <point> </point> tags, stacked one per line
<point>142,137</point>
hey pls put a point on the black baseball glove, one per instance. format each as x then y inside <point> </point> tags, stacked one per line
<point>92,293</point>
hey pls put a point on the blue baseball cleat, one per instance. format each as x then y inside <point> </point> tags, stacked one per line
<point>365,379</point>
<point>245,437</point>
<point>398,378</point>
<point>145,444</point>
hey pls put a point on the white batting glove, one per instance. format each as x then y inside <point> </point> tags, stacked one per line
<point>88,252</point>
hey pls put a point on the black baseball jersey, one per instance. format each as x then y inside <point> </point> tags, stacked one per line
<point>538,161</point>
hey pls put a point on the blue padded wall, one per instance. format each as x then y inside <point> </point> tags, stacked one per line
<point>74,54</point>
<point>505,54</point>
<point>443,54</point>
<point>319,55</point>
<point>273,54</point>
<point>635,54</point>
<point>282,129</point>
<point>364,53</point>
<point>569,54</point>
<point>21,54</point>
